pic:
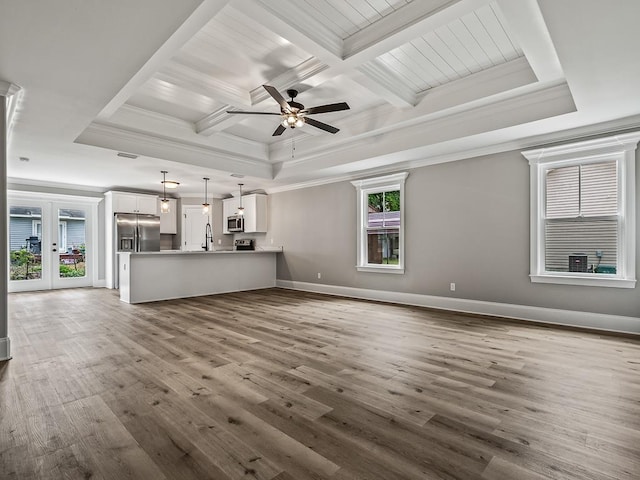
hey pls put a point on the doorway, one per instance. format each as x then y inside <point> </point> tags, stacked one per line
<point>51,242</point>
<point>194,224</point>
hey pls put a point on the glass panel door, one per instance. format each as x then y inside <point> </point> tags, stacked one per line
<point>28,262</point>
<point>50,244</point>
<point>71,252</point>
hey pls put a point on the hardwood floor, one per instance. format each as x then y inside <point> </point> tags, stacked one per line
<point>285,385</point>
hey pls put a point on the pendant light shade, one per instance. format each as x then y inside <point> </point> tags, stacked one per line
<point>240,207</point>
<point>164,204</point>
<point>205,204</point>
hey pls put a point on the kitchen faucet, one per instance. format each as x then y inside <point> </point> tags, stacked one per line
<point>208,238</point>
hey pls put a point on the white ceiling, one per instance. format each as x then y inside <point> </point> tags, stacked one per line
<point>427,81</point>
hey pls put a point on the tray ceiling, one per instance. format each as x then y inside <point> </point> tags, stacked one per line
<point>427,81</point>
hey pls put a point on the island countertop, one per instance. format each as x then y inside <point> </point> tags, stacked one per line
<point>167,274</point>
<point>201,252</point>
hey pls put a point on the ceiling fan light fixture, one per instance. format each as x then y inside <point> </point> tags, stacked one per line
<point>299,122</point>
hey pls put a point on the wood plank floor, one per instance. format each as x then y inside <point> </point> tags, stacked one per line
<point>285,385</point>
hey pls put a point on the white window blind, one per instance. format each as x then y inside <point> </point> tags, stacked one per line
<point>581,216</point>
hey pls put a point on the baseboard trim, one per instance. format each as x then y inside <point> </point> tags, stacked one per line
<point>567,318</point>
<point>5,349</point>
<point>100,284</point>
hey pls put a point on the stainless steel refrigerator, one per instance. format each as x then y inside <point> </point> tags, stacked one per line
<point>135,233</point>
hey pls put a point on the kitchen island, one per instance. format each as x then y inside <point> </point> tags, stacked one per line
<point>164,275</point>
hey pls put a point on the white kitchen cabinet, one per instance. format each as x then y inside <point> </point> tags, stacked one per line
<point>255,212</point>
<point>134,203</point>
<point>169,220</point>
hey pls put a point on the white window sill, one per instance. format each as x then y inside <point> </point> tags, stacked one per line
<point>586,280</point>
<point>380,269</point>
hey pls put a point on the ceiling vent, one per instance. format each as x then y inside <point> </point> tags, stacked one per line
<point>127,155</point>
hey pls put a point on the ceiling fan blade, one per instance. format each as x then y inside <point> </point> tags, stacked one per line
<point>321,126</point>
<point>253,113</point>
<point>277,97</point>
<point>333,107</point>
<point>279,131</point>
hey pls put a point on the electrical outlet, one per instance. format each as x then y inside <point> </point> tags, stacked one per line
<point>272,241</point>
<point>599,253</point>
<point>219,241</point>
<point>319,275</point>
<point>452,287</point>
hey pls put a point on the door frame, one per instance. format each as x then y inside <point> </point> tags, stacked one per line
<point>183,236</point>
<point>47,201</point>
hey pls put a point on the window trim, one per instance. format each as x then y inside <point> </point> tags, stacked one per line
<point>363,188</point>
<point>622,149</point>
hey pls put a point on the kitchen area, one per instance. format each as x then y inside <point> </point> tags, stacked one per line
<point>160,247</point>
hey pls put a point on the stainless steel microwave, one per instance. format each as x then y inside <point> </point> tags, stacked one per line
<point>235,223</point>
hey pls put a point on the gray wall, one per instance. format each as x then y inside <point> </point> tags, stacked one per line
<point>465,222</point>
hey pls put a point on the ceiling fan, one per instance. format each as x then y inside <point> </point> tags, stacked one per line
<point>294,114</point>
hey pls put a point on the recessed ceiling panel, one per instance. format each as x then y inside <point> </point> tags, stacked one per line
<point>347,18</point>
<point>169,99</point>
<point>240,51</point>
<point>470,44</point>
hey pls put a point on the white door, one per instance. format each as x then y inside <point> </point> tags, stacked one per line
<point>194,228</point>
<point>50,244</point>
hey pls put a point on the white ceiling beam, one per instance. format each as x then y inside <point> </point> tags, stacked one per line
<point>280,16</point>
<point>405,24</point>
<point>529,29</point>
<point>379,81</point>
<point>198,19</point>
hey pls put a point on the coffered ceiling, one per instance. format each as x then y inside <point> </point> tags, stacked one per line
<point>427,81</point>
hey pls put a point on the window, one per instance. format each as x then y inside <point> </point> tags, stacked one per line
<point>380,210</point>
<point>583,212</point>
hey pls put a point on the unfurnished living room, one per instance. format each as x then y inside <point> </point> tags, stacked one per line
<point>319,239</point>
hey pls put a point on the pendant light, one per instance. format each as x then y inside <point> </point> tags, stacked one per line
<point>205,205</point>
<point>164,204</point>
<point>240,208</point>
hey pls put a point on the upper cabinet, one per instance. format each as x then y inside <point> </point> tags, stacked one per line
<point>255,212</point>
<point>169,220</point>
<point>134,203</point>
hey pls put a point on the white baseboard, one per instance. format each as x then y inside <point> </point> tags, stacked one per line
<point>100,283</point>
<point>595,321</point>
<point>5,349</point>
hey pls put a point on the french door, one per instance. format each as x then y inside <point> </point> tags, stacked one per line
<point>50,243</point>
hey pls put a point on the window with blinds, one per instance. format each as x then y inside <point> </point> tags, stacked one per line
<point>583,212</point>
<point>581,217</point>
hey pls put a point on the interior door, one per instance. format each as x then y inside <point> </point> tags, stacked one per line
<point>194,226</point>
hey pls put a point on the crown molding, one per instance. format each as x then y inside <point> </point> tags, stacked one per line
<point>619,127</point>
<point>13,94</point>
<point>115,138</point>
<point>137,119</point>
